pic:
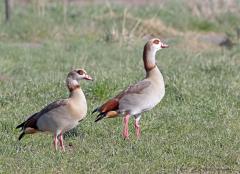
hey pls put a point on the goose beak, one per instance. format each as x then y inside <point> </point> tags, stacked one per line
<point>88,77</point>
<point>164,45</point>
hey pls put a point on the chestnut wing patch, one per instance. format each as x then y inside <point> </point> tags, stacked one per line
<point>110,105</point>
<point>113,104</point>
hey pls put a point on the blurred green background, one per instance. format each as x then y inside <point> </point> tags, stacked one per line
<point>194,129</point>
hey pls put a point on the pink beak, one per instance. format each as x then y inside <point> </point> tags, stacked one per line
<point>87,77</point>
<point>164,45</point>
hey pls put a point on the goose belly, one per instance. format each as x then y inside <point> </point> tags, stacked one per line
<point>56,120</point>
<point>137,103</point>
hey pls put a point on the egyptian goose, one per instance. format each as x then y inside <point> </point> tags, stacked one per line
<point>62,115</point>
<point>139,97</point>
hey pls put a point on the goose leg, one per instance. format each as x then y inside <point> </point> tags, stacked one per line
<point>55,141</point>
<point>137,126</point>
<point>125,126</point>
<point>60,138</point>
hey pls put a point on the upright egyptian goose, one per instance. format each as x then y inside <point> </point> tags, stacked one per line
<point>139,97</point>
<point>62,115</point>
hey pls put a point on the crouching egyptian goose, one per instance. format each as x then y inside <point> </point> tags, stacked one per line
<point>140,97</point>
<point>62,115</point>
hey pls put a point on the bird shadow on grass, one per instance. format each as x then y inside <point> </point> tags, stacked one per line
<point>74,133</point>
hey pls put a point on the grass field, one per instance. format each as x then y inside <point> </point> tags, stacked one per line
<point>195,128</point>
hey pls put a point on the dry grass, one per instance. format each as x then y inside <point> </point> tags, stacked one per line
<point>157,27</point>
<point>135,27</point>
<point>211,8</point>
<point>190,41</point>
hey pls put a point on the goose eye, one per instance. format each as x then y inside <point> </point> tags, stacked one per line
<point>80,72</point>
<point>156,41</point>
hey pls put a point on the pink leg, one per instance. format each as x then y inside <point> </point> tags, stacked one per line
<point>137,126</point>
<point>61,142</point>
<point>55,141</point>
<point>125,126</point>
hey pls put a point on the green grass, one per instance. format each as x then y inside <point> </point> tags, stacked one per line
<point>195,128</point>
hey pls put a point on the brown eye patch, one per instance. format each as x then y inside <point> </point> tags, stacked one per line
<point>81,72</point>
<point>156,41</point>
